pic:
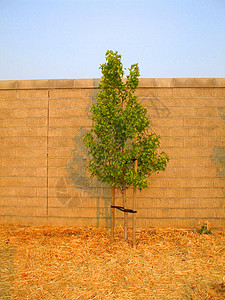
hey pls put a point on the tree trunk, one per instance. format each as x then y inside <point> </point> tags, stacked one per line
<point>134,207</point>
<point>125,213</point>
<point>113,214</point>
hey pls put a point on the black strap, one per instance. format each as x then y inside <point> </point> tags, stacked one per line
<point>124,209</point>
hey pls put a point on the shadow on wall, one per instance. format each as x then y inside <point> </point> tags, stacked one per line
<point>88,187</point>
<point>85,186</point>
<point>155,107</point>
<point>218,156</point>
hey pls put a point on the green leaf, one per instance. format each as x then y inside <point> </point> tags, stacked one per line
<point>120,130</point>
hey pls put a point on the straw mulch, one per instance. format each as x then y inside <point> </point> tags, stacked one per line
<point>80,263</point>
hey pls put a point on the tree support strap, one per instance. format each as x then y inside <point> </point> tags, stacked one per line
<point>124,209</point>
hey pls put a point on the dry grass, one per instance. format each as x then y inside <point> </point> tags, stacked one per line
<point>80,263</point>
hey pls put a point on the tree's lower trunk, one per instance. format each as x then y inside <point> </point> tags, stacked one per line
<point>125,213</point>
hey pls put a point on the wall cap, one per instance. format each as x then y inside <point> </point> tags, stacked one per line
<point>94,83</point>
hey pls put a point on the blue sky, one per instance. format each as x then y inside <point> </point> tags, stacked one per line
<point>60,39</point>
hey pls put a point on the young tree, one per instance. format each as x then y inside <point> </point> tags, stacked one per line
<point>120,133</point>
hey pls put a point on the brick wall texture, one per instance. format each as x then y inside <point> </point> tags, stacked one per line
<point>42,159</point>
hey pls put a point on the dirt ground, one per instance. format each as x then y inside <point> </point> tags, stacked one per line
<point>81,263</point>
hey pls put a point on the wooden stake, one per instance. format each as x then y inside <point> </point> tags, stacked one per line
<point>125,212</point>
<point>113,214</point>
<point>134,208</point>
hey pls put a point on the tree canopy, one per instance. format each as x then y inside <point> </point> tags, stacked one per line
<point>120,130</point>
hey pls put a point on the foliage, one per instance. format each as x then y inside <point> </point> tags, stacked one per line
<point>119,133</point>
<point>204,230</point>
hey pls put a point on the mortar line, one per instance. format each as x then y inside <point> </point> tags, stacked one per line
<point>47,195</point>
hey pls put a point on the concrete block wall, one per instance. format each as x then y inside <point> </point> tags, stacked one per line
<point>42,158</point>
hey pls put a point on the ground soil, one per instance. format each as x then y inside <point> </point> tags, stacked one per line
<point>81,263</point>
